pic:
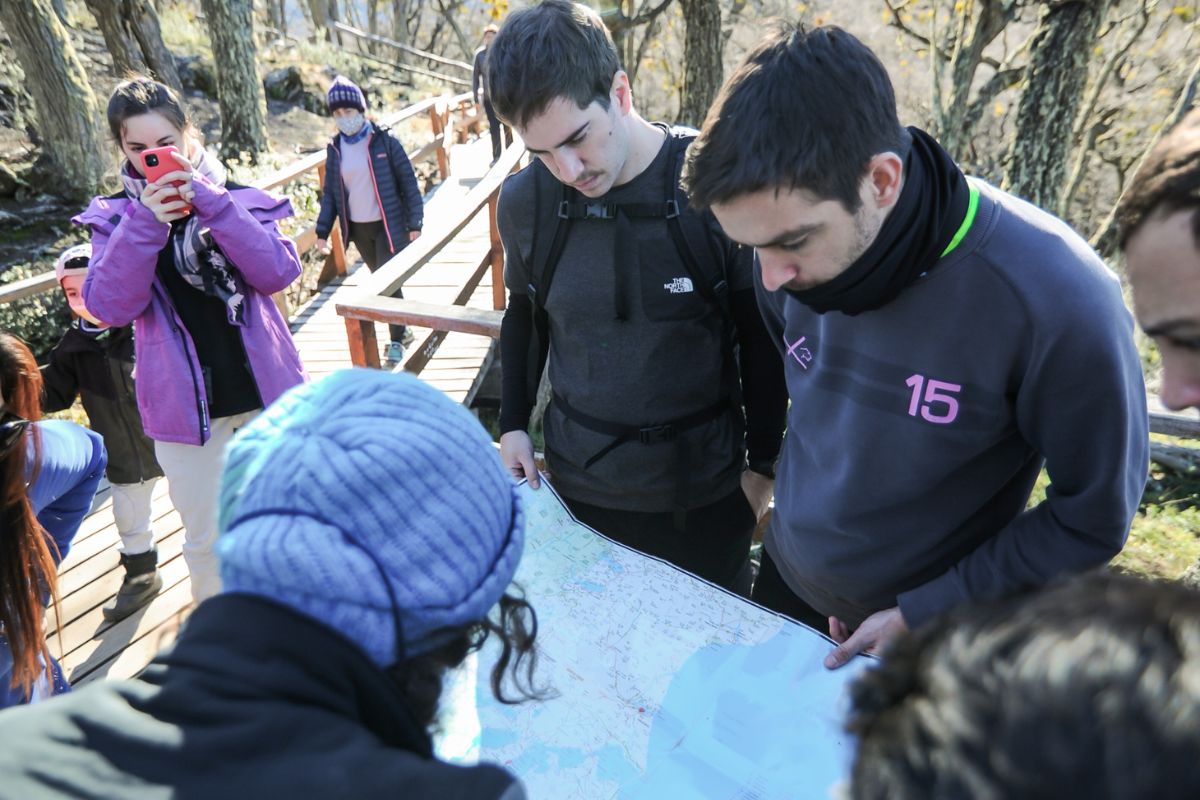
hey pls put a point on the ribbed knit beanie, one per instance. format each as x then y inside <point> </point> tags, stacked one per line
<point>343,93</point>
<point>375,504</point>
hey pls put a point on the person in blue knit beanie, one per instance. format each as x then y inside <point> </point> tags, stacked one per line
<point>368,529</point>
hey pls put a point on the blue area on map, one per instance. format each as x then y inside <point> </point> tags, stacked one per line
<point>591,586</point>
<point>612,564</point>
<point>495,738</point>
<point>735,722</point>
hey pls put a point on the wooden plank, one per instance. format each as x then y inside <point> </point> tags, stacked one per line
<point>83,549</point>
<point>1171,424</point>
<point>83,618</point>
<point>430,347</point>
<point>134,657</point>
<point>28,287</point>
<point>108,558</point>
<point>480,373</point>
<point>100,517</point>
<point>82,633</point>
<point>169,607</point>
<point>481,322</point>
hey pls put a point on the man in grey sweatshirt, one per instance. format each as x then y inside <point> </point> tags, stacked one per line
<point>942,340</point>
<point>650,331</point>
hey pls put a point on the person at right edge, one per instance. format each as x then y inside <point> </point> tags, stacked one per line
<point>655,344</point>
<point>942,340</point>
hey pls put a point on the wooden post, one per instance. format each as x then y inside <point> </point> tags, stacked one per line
<point>447,137</point>
<point>439,130</point>
<point>497,253</point>
<point>364,349</point>
<point>281,303</point>
<point>336,247</point>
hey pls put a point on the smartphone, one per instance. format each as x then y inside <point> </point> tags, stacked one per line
<point>157,161</point>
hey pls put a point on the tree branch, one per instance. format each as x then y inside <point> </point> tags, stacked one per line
<point>1005,78</point>
<point>1114,60</point>
<point>898,22</point>
<point>1104,240</point>
<point>1082,157</point>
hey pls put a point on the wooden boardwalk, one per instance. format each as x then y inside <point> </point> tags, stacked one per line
<point>87,645</point>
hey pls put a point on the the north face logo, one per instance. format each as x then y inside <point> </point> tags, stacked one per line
<point>679,286</point>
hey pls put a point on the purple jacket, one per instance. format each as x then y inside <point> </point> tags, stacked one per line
<point>121,287</point>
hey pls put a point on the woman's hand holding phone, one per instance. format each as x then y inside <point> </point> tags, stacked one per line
<point>169,191</point>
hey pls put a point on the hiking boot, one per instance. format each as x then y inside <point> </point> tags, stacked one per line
<point>142,582</point>
<point>394,353</point>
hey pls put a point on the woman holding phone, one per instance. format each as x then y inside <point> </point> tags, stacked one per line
<point>192,260</point>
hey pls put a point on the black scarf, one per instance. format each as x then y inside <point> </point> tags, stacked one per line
<point>928,213</point>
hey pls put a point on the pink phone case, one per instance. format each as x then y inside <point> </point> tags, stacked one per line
<point>157,161</point>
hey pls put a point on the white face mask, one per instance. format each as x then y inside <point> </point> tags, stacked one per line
<point>349,125</point>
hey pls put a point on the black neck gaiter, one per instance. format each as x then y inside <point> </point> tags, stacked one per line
<point>930,209</point>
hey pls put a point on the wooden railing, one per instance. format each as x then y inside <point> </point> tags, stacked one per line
<point>363,36</point>
<point>374,302</point>
<point>441,111</point>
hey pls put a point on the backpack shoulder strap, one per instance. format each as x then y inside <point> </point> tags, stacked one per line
<point>690,231</point>
<point>550,227</point>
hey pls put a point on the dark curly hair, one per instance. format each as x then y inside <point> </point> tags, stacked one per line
<point>421,676</point>
<point>1090,688</point>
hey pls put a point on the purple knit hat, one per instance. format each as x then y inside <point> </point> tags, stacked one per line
<point>344,94</point>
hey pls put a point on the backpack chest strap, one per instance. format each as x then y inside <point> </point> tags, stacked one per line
<point>568,210</point>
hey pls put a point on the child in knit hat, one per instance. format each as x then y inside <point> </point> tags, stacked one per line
<point>371,190</point>
<point>350,586</point>
<point>95,362</point>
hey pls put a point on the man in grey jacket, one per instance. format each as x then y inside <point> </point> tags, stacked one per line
<point>650,330</point>
<point>942,340</point>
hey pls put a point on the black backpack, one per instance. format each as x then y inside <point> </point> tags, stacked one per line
<point>558,205</point>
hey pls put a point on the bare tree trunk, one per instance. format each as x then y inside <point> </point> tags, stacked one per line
<point>635,62</point>
<point>134,40</point>
<point>439,25</point>
<point>703,46</point>
<point>282,15</point>
<point>448,13</point>
<point>336,16</point>
<point>400,30</point>
<point>319,9</point>
<point>239,89</point>
<point>143,19</point>
<point>117,38</point>
<point>66,109</point>
<point>991,17</point>
<point>1054,83</point>
<point>373,24</point>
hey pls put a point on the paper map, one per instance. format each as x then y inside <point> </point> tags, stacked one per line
<point>665,686</point>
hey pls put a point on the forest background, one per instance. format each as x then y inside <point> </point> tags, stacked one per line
<point>1056,100</point>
